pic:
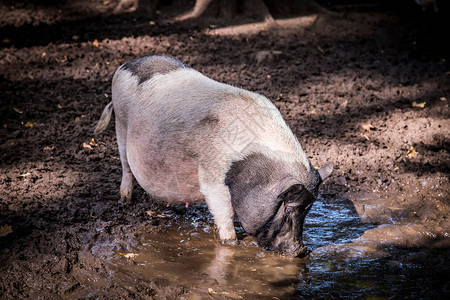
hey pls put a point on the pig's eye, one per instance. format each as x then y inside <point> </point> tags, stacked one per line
<point>291,209</point>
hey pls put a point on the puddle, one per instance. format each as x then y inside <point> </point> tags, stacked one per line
<point>183,252</point>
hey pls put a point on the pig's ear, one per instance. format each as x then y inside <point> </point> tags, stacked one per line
<point>325,171</point>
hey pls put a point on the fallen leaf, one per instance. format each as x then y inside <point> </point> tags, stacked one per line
<point>87,146</point>
<point>77,119</point>
<point>5,126</point>
<point>419,105</point>
<point>368,127</point>
<point>93,143</point>
<point>128,255</point>
<point>364,136</point>
<point>411,152</point>
<point>6,40</point>
<point>5,230</point>
<point>22,176</point>
<point>320,49</point>
<point>280,96</point>
<point>29,124</point>
<point>95,43</point>
<point>443,99</point>
<point>59,106</point>
<point>152,22</point>
<point>49,148</point>
<point>211,291</point>
<point>106,2</point>
<point>231,295</point>
<point>396,168</point>
<point>17,110</point>
<point>153,214</point>
<point>43,54</point>
<point>75,37</point>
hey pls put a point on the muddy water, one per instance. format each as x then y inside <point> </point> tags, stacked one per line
<point>183,252</point>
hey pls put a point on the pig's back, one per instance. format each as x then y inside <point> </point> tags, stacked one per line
<point>178,118</point>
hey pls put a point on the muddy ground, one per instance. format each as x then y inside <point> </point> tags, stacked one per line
<point>366,87</point>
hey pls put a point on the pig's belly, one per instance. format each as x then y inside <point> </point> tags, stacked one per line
<point>169,176</point>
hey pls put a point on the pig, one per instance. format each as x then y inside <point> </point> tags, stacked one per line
<point>186,138</point>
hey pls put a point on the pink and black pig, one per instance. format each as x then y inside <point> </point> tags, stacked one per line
<point>186,138</point>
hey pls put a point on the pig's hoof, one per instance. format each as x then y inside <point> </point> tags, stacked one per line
<point>125,200</point>
<point>229,242</point>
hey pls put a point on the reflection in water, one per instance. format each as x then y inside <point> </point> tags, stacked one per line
<point>218,268</point>
<point>185,252</point>
<point>200,263</point>
<point>341,263</point>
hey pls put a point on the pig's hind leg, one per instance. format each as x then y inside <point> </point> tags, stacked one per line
<point>126,186</point>
<point>218,199</point>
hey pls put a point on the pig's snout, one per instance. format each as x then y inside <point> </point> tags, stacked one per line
<point>289,246</point>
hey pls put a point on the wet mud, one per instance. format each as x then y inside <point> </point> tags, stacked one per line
<point>366,87</point>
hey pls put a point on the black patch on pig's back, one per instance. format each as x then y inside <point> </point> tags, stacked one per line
<point>148,66</point>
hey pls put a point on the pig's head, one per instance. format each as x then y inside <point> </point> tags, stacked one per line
<point>270,204</point>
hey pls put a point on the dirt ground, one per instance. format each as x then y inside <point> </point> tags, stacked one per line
<point>366,87</point>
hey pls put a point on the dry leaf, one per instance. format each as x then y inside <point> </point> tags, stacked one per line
<point>5,230</point>
<point>22,176</point>
<point>443,99</point>
<point>95,43</point>
<point>419,105</point>
<point>43,54</point>
<point>411,152</point>
<point>320,49</point>
<point>128,255</point>
<point>93,143</point>
<point>368,127</point>
<point>49,148</point>
<point>396,168</point>
<point>211,291</point>
<point>59,106</point>
<point>6,40</point>
<point>17,110</point>
<point>75,37</point>
<point>231,295</point>
<point>153,214</point>
<point>364,136</point>
<point>152,22</point>
<point>29,124</point>
<point>87,146</point>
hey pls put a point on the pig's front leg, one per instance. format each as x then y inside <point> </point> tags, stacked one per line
<point>218,199</point>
